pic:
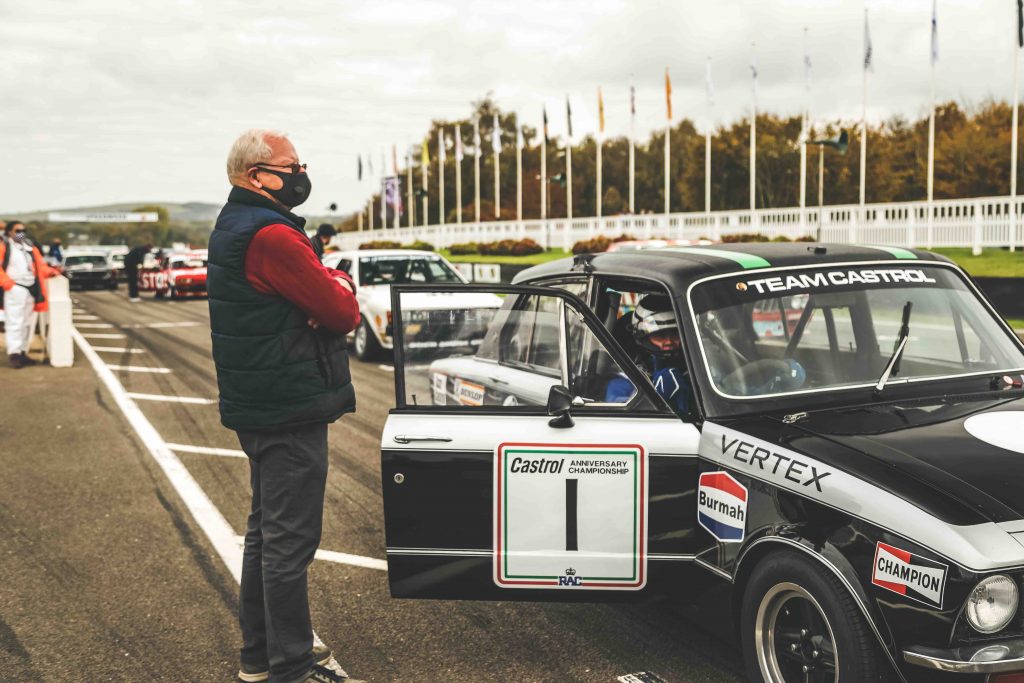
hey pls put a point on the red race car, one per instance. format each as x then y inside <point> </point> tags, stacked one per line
<point>176,275</point>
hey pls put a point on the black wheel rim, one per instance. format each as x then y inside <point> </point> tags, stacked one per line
<point>794,640</point>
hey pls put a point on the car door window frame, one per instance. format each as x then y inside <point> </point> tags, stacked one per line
<point>640,382</point>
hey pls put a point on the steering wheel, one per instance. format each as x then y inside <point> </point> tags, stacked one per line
<point>765,376</point>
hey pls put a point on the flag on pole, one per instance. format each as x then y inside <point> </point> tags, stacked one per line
<point>668,95</point>
<point>568,116</point>
<point>476,137</point>
<point>424,154</point>
<point>868,53</point>
<point>359,167</point>
<point>458,143</point>
<point>496,135</point>
<point>1020,23</point>
<point>544,110</point>
<point>807,65</point>
<point>709,86</point>
<point>632,103</point>
<point>600,111</point>
<point>753,75</point>
<point>935,32</point>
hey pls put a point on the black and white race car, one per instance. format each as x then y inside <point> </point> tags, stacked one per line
<point>840,484</point>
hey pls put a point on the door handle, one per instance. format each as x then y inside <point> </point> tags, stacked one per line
<point>409,438</point>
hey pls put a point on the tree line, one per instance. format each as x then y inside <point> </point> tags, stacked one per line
<point>972,159</point>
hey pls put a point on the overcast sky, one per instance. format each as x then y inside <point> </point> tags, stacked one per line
<point>130,100</point>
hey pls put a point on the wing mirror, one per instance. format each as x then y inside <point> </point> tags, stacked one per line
<point>560,404</point>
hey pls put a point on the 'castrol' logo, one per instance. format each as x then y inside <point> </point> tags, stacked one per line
<point>909,575</point>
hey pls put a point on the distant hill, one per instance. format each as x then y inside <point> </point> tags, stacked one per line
<point>186,212</point>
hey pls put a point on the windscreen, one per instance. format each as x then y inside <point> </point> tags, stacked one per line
<point>776,333</point>
<point>399,270</point>
<point>184,264</point>
<point>92,260</point>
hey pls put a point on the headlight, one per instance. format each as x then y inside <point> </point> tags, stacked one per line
<point>992,603</point>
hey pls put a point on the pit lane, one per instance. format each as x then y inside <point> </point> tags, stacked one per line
<point>161,350</point>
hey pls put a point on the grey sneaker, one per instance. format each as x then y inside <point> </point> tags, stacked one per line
<point>322,655</point>
<point>335,674</point>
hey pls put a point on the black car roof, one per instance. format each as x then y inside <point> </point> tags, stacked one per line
<point>677,267</point>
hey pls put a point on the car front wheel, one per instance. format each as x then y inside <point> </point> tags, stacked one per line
<point>365,343</point>
<point>799,623</point>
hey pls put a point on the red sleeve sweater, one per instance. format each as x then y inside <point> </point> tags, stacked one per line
<point>280,261</point>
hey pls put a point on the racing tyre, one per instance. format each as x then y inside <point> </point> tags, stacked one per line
<point>799,623</point>
<point>365,343</point>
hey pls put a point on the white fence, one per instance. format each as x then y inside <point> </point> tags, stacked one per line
<point>976,223</point>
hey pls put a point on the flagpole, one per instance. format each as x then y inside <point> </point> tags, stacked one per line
<point>600,198</point>
<point>864,116</point>
<point>803,138</point>
<point>424,164</point>
<point>458,174</point>
<point>383,203</point>
<point>568,160</point>
<point>753,145</point>
<point>931,157</point>
<point>544,171</point>
<point>668,134</point>
<point>707,141</point>
<point>476,170</point>
<point>496,145</point>
<point>632,156</point>
<point>396,223</point>
<point>411,220</point>
<point>1013,136</point>
<point>440,176</point>
<point>519,171</point>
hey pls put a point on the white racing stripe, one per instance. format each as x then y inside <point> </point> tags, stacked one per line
<point>343,558</point>
<point>171,399</point>
<point>139,368</point>
<point>207,450</point>
<point>207,516</point>
<point>97,335</point>
<point>118,349</point>
<point>153,326</point>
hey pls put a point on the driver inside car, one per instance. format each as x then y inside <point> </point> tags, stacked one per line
<point>654,330</point>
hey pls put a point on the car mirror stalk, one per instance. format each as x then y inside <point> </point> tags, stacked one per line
<point>560,407</point>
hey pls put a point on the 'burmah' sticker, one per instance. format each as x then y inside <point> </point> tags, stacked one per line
<point>722,506</point>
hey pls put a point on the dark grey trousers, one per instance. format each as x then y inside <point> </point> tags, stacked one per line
<point>288,474</point>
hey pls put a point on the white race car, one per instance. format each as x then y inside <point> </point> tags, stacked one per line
<point>375,270</point>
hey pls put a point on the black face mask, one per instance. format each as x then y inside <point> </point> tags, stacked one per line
<point>295,189</point>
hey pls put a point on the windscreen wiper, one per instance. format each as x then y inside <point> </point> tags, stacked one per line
<point>893,366</point>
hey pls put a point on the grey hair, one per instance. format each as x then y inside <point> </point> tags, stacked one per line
<point>250,149</point>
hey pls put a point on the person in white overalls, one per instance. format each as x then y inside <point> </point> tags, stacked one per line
<point>21,276</point>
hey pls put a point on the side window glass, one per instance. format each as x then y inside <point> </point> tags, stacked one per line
<point>499,349</point>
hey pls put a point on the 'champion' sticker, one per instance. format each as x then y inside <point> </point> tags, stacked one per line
<point>909,575</point>
<point>722,506</point>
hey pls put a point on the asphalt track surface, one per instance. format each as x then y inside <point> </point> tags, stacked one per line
<point>106,575</point>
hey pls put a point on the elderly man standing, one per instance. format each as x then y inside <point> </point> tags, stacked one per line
<point>278,320</point>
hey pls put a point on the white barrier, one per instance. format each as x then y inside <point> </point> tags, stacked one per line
<point>975,223</point>
<point>58,323</point>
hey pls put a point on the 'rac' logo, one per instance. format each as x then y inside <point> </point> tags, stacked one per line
<point>570,578</point>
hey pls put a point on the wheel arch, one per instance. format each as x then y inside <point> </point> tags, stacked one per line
<point>832,559</point>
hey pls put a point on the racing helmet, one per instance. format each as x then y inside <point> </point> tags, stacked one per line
<point>652,316</point>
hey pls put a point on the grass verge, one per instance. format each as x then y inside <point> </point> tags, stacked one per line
<point>530,260</point>
<point>990,263</point>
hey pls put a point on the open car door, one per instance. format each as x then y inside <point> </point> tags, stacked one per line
<point>527,457</point>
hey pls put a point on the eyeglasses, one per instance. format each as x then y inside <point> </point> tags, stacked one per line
<point>18,230</point>
<point>296,168</point>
